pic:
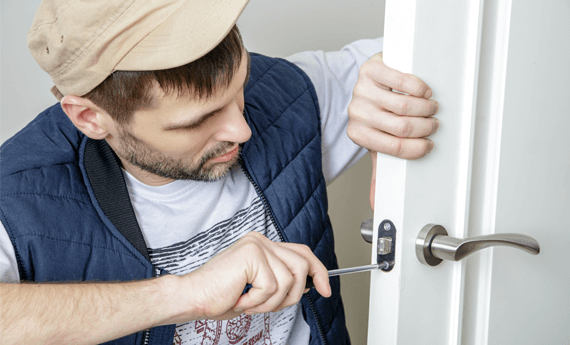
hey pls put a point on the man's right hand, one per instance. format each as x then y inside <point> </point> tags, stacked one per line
<point>276,271</point>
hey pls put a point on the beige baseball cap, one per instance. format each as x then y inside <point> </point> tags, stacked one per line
<point>81,42</point>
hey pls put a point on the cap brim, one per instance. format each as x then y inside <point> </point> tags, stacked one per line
<point>191,32</point>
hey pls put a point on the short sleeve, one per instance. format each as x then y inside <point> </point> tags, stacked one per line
<point>334,75</point>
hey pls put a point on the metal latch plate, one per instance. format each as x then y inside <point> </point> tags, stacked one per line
<point>386,244</point>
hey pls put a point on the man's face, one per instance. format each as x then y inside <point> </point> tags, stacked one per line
<point>185,137</point>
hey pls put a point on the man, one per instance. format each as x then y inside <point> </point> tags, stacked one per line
<point>196,171</point>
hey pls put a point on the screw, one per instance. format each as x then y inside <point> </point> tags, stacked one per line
<point>387,226</point>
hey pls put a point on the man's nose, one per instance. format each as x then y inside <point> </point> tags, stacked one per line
<point>234,126</point>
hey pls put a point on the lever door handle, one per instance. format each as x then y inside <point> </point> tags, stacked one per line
<point>433,245</point>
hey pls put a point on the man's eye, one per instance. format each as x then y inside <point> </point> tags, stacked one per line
<point>198,124</point>
<point>201,122</point>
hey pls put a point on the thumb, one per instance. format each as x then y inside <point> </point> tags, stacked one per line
<point>373,155</point>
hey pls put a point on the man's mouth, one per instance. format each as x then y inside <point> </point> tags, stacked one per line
<point>227,156</point>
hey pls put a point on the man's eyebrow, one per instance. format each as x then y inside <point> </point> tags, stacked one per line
<point>194,123</point>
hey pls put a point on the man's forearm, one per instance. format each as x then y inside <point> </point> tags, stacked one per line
<point>83,313</point>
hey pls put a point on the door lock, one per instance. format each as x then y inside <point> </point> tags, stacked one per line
<point>385,255</point>
<point>386,241</point>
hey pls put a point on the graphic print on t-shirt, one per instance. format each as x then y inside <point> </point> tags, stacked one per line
<point>184,257</point>
<point>236,330</point>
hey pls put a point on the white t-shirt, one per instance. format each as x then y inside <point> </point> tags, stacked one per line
<point>185,223</point>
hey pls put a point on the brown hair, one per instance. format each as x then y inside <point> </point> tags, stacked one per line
<point>124,92</point>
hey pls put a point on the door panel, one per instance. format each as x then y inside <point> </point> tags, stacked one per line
<point>530,296</point>
<point>439,47</point>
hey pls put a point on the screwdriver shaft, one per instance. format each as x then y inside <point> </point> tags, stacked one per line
<point>332,273</point>
<point>341,271</point>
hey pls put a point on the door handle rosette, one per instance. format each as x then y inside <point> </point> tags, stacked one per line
<point>433,245</point>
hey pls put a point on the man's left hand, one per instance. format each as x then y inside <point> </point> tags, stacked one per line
<point>393,123</point>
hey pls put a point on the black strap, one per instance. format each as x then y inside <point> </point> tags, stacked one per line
<point>103,169</point>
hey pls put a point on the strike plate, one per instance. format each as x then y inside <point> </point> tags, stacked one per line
<point>386,244</point>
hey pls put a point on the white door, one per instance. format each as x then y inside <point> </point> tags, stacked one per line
<point>500,70</point>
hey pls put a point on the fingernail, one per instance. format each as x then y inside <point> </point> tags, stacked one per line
<point>430,146</point>
<point>436,125</point>
<point>436,104</point>
<point>428,94</point>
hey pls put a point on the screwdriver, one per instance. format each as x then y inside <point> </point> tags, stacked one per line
<point>333,273</point>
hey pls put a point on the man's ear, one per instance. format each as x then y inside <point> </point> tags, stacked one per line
<point>93,121</point>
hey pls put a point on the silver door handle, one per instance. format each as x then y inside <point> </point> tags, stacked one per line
<point>366,230</point>
<point>433,245</point>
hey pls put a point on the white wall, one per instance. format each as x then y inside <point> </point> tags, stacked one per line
<point>24,85</point>
<point>276,28</point>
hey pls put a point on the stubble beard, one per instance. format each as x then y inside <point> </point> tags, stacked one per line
<point>140,155</point>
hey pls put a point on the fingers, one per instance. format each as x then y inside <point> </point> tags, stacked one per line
<point>379,130</point>
<point>277,274</point>
<point>377,71</point>
<point>316,269</point>
<point>397,103</point>
<point>267,294</point>
<point>278,277</point>
<point>391,122</point>
<point>298,267</point>
<point>400,126</point>
<point>379,141</point>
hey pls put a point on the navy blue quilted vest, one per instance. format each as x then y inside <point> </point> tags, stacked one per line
<point>66,208</point>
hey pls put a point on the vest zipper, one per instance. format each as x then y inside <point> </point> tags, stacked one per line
<point>146,337</point>
<point>156,272</point>
<point>314,309</point>
<point>266,205</point>
<point>262,197</point>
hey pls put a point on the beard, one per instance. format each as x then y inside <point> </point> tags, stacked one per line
<point>141,155</point>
